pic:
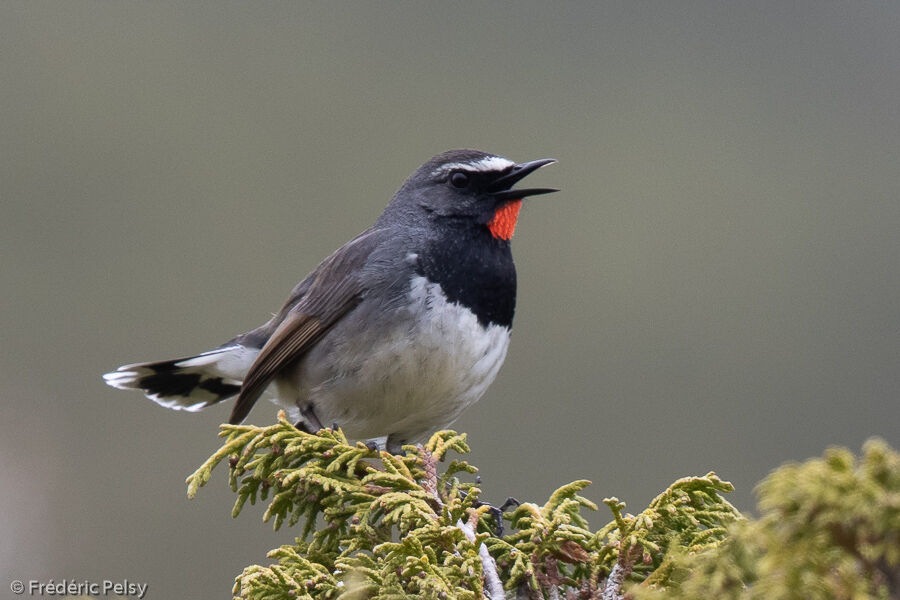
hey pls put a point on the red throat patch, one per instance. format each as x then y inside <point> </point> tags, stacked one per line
<point>503,224</point>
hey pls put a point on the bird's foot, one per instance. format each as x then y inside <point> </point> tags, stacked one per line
<point>496,511</point>
<point>394,444</point>
<point>302,426</point>
<point>310,422</point>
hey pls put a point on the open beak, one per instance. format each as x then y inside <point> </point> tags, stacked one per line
<point>500,188</point>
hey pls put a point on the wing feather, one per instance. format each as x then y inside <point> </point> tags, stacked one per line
<point>336,288</point>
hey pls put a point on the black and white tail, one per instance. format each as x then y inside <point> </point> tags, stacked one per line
<point>191,383</point>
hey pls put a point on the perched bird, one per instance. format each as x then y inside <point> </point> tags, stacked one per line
<point>393,335</point>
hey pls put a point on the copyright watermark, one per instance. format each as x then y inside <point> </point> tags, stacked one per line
<point>72,587</point>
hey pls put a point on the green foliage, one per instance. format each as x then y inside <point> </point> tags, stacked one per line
<point>829,529</point>
<point>376,525</point>
<point>380,526</point>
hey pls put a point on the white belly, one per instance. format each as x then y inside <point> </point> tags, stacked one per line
<point>406,380</point>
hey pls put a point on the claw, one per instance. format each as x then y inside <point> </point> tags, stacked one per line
<point>510,502</point>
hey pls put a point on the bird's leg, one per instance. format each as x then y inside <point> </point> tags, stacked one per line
<point>394,444</point>
<point>302,426</point>
<point>310,420</point>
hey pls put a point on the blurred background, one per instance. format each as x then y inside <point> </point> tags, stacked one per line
<point>717,287</point>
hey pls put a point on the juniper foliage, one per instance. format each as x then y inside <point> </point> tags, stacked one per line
<point>829,529</point>
<point>386,527</point>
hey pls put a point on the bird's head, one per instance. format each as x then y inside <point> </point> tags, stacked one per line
<point>470,186</point>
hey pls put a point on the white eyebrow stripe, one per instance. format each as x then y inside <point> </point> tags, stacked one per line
<point>489,163</point>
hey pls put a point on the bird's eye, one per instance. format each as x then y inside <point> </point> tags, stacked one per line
<point>459,180</point>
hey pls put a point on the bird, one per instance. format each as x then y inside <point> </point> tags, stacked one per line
<point>394,334</point>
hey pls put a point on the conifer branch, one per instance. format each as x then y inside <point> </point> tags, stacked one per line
<point>385,527</point>
<point>376,525</point>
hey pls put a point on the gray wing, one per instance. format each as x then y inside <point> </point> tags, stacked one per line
<point>316,304</point>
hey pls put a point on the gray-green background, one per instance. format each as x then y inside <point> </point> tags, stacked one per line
<point>717,287</point>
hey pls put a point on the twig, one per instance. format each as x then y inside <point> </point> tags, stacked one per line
<point>554,592</point>
<point>493,587</point>
<point>614,583</point>
<point>613,588</point>
<point>429,484</point>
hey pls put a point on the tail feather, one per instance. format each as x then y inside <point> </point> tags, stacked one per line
<point>190,383</point>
